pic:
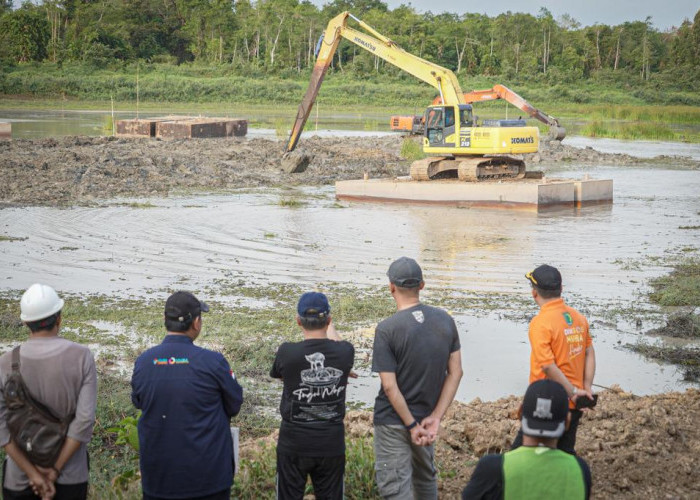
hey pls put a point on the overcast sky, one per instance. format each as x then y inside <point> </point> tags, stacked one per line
<point>664,14</point>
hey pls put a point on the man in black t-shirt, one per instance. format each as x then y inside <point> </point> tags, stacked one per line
<point>417,356</point>
<point>315,375</point>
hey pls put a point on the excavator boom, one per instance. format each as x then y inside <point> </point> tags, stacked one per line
<point>502,92</point>
<point>441,78</point>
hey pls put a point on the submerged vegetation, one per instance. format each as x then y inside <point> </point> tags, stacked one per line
<point>681,287</point>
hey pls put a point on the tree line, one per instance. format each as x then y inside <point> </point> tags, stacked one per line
<point>279,37</point>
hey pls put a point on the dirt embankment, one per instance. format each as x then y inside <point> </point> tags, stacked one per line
<point>70,170</point>
<point>637,447</point>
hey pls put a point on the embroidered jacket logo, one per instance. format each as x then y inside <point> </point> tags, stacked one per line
<point>569,320</point>
<point>419,316</point>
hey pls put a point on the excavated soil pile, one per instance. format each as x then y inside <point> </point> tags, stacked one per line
<point>69,170</point>
<point>637,447</point>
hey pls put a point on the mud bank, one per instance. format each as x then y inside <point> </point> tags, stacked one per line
<point>79,170</point>
<point>637,447</point>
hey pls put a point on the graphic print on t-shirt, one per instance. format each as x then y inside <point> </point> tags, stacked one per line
<point>319,395</point>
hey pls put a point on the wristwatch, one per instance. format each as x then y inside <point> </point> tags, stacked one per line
<point>574,392</point>
<point>409,427</point>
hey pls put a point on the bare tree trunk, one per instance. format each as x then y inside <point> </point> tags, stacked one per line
<point>617,51</point>
<point>544,51</point>
<point>310,50</point>
<point>517,57</point>
<point>597,49</point>
<point>274,44</point>
<point>460,54</point>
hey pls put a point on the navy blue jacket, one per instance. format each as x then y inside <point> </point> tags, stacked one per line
<point>187,395</point>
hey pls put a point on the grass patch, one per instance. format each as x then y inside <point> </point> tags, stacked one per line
<point>13,238</point>
<point>141,205</point>
<point>681,287</point>
<point>631,131</point>
<point>291,203</point>
<point>411,150</point>
<point>256,477</point>
<point>270,235</point>
<point>688,227</point>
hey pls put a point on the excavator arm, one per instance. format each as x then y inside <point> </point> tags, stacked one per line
<point>556,131</point>
<point>441,78</point>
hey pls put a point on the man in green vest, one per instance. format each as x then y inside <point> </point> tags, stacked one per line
<point>536,470</point>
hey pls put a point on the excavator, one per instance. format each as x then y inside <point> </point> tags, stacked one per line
<point>415,124</point>
<point>458,146</point>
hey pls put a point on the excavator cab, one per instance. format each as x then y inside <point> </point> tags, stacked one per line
<point>445,126</point>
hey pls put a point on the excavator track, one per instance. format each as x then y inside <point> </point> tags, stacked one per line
<point>468,169</point>
<point>428,168</point>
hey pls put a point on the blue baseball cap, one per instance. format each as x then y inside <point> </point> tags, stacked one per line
<point>313,304</point>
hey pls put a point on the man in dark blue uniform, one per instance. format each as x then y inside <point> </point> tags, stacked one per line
<point>187,395</point>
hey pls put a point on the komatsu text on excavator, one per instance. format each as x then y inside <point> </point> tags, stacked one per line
<point>459,147</point>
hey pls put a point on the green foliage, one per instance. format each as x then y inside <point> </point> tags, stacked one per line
<point>256,476</point>
<point>681,287</point>
<point>411,150</point>
<point>359,469</point>
<point>127,432</point>
<point>277,37</point>
<point>636,130</point>
<point>24,34</point>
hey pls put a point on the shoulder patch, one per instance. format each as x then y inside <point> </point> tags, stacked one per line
<point>419,316</point>
<point>569,320</point>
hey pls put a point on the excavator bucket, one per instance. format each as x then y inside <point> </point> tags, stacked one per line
<point>557,132</point>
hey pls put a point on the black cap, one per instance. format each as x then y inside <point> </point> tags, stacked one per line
<point>313,304</point>
<point>545,277</point>
<point>405,273</point>
<point>545,408</point>
<point>184,307</point>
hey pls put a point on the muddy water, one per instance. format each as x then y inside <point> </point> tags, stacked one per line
<point>264,120</point>
<point>188,242</point>
<point>640,149</point>
<point>51,123</point>
<point>495,360</point>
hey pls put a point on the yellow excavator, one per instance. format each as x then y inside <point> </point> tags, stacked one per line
<point>459,146</point>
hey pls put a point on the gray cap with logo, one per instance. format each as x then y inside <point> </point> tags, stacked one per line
<point>405,272</point>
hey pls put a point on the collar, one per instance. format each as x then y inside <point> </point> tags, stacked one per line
<point>556,303</point>
<point>177,339</point>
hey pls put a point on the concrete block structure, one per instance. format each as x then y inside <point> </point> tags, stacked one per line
<point>527,194</point>
<point>201,128</point>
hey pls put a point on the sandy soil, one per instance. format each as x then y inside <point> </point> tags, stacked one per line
<point>68,170</point>
<point>637,447</point>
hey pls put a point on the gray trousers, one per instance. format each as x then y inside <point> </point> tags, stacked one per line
<point>404,470</point>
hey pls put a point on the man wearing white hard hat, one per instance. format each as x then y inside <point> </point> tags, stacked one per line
<point>61,375</point>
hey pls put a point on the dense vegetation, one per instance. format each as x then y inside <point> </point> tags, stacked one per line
<point>279,37</point>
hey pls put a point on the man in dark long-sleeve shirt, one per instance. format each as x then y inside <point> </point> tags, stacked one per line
<point>188,395</point>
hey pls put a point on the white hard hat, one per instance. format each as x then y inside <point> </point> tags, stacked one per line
<point>39,302</point>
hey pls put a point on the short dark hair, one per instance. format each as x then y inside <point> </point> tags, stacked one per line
<point>547,294</point>
<point>173,325</point>
<point>312,323</point>
<point>43,324</point>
